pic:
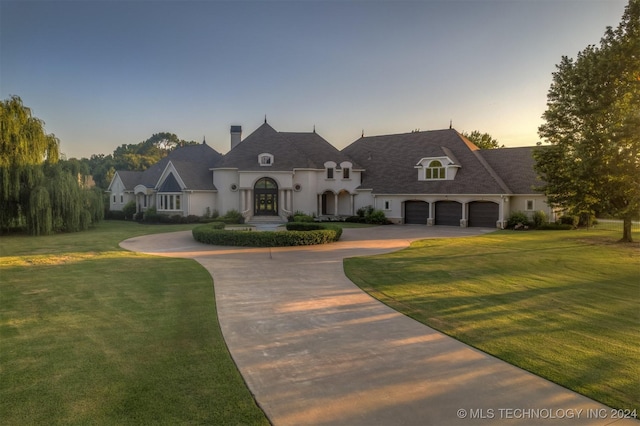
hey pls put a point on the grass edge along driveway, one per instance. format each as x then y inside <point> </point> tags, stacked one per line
<point>91,333</point>
<point>564,305</point>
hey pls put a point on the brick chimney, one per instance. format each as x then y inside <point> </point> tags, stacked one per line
<point>236,136</point>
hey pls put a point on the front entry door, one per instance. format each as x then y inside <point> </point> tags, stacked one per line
<point>265,198</point>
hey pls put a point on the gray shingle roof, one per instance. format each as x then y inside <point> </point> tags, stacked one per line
<point>192,163</point>
<point>515,167</point>
<point>129,179</point>
<point>389,162</point>
<point>290,151</point>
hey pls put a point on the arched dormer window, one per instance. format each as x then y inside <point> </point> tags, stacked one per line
<point>330,168</point>
<point>435,170</point>
<point>265,159</point>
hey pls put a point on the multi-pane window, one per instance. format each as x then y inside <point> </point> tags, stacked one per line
<point>329,172</point>
<point>346,172</point>
<point>435,170</point>
<point>170,202</point>
<point>265,160</point>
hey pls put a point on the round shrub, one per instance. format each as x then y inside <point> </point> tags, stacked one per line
<point>518,220</point>
<point>569,220</point>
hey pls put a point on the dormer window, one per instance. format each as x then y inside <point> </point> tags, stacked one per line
<point>265,159</point>
<point>435,170</point>
<point>346,166</point>
<point>330,169</point>
<point>330,172</point>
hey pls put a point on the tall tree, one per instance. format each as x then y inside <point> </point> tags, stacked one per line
<point>482,140</point>
<point>36,190</point>
<point>592,126</point>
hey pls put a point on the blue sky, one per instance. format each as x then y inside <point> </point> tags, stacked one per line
<point>105,73</point>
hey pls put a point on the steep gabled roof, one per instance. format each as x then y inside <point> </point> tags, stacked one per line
<point>129,179</point>
<point>389,162</point>
<point>192,162</point>
<point>290,151</point>
<point>515,166</point>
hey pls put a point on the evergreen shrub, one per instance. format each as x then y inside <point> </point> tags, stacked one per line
<point>209,235</point>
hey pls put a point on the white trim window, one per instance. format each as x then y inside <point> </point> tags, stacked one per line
<point>435,170</point>
<point>170,202</point>
<point>330,171</point>
<point>530,205</point>
<point>265,159</point>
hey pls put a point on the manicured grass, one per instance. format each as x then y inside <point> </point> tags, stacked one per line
<point>92,334</point>
<point>564,305</point>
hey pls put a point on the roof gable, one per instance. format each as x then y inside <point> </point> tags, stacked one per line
<point>170,184</point>
<point>389,162</point>
<point>128,178</point>
<point>191,162</point>
<point>290,151</point>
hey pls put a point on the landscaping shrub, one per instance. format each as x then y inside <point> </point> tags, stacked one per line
<point>302,218</point>
<point>304,226</point>
<point>208,235</point>
<point>518,220</point>
<point>368,214</point>
<point>129,210</point>
<point>151,215</point>
<point>569,220</point>
<point>364,211</point>
<point>233,217</point>
<point>114,215</point>
<point>356,219</point>
<point>192,218</point>
<point>539,219</point>
<point>376,217</point>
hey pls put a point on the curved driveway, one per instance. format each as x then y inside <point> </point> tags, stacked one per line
<point>316,350</point>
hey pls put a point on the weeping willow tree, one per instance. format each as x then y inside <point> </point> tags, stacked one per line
<point>36,190</point>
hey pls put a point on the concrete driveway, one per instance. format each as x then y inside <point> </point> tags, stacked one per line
<point>316,350</point>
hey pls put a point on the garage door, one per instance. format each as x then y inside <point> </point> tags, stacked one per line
<point>416,212</point>
<point>448,213</point>
<point>483,213</point>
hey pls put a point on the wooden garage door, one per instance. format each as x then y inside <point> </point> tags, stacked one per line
<point>416,212</point>
<point>483,213</point>
<point>448,213</point>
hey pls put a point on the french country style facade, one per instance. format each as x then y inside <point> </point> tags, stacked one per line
<point>433,178</point>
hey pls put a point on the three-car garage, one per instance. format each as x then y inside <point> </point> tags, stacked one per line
<point>450,213</point>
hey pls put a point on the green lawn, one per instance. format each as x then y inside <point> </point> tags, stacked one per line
<point>564,305</point>
<point>92,334</point>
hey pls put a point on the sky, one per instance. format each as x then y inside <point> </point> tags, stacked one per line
<point>102,73</point>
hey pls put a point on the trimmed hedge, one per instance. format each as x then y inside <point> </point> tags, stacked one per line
<point>304,226</point>
<point>210,235</point>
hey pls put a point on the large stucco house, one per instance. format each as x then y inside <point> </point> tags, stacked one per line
<point>433,178</point>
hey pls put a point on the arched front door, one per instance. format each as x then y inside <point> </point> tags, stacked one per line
<point>265,197</point>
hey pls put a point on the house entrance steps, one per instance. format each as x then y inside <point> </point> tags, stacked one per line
<point>266,223</point>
